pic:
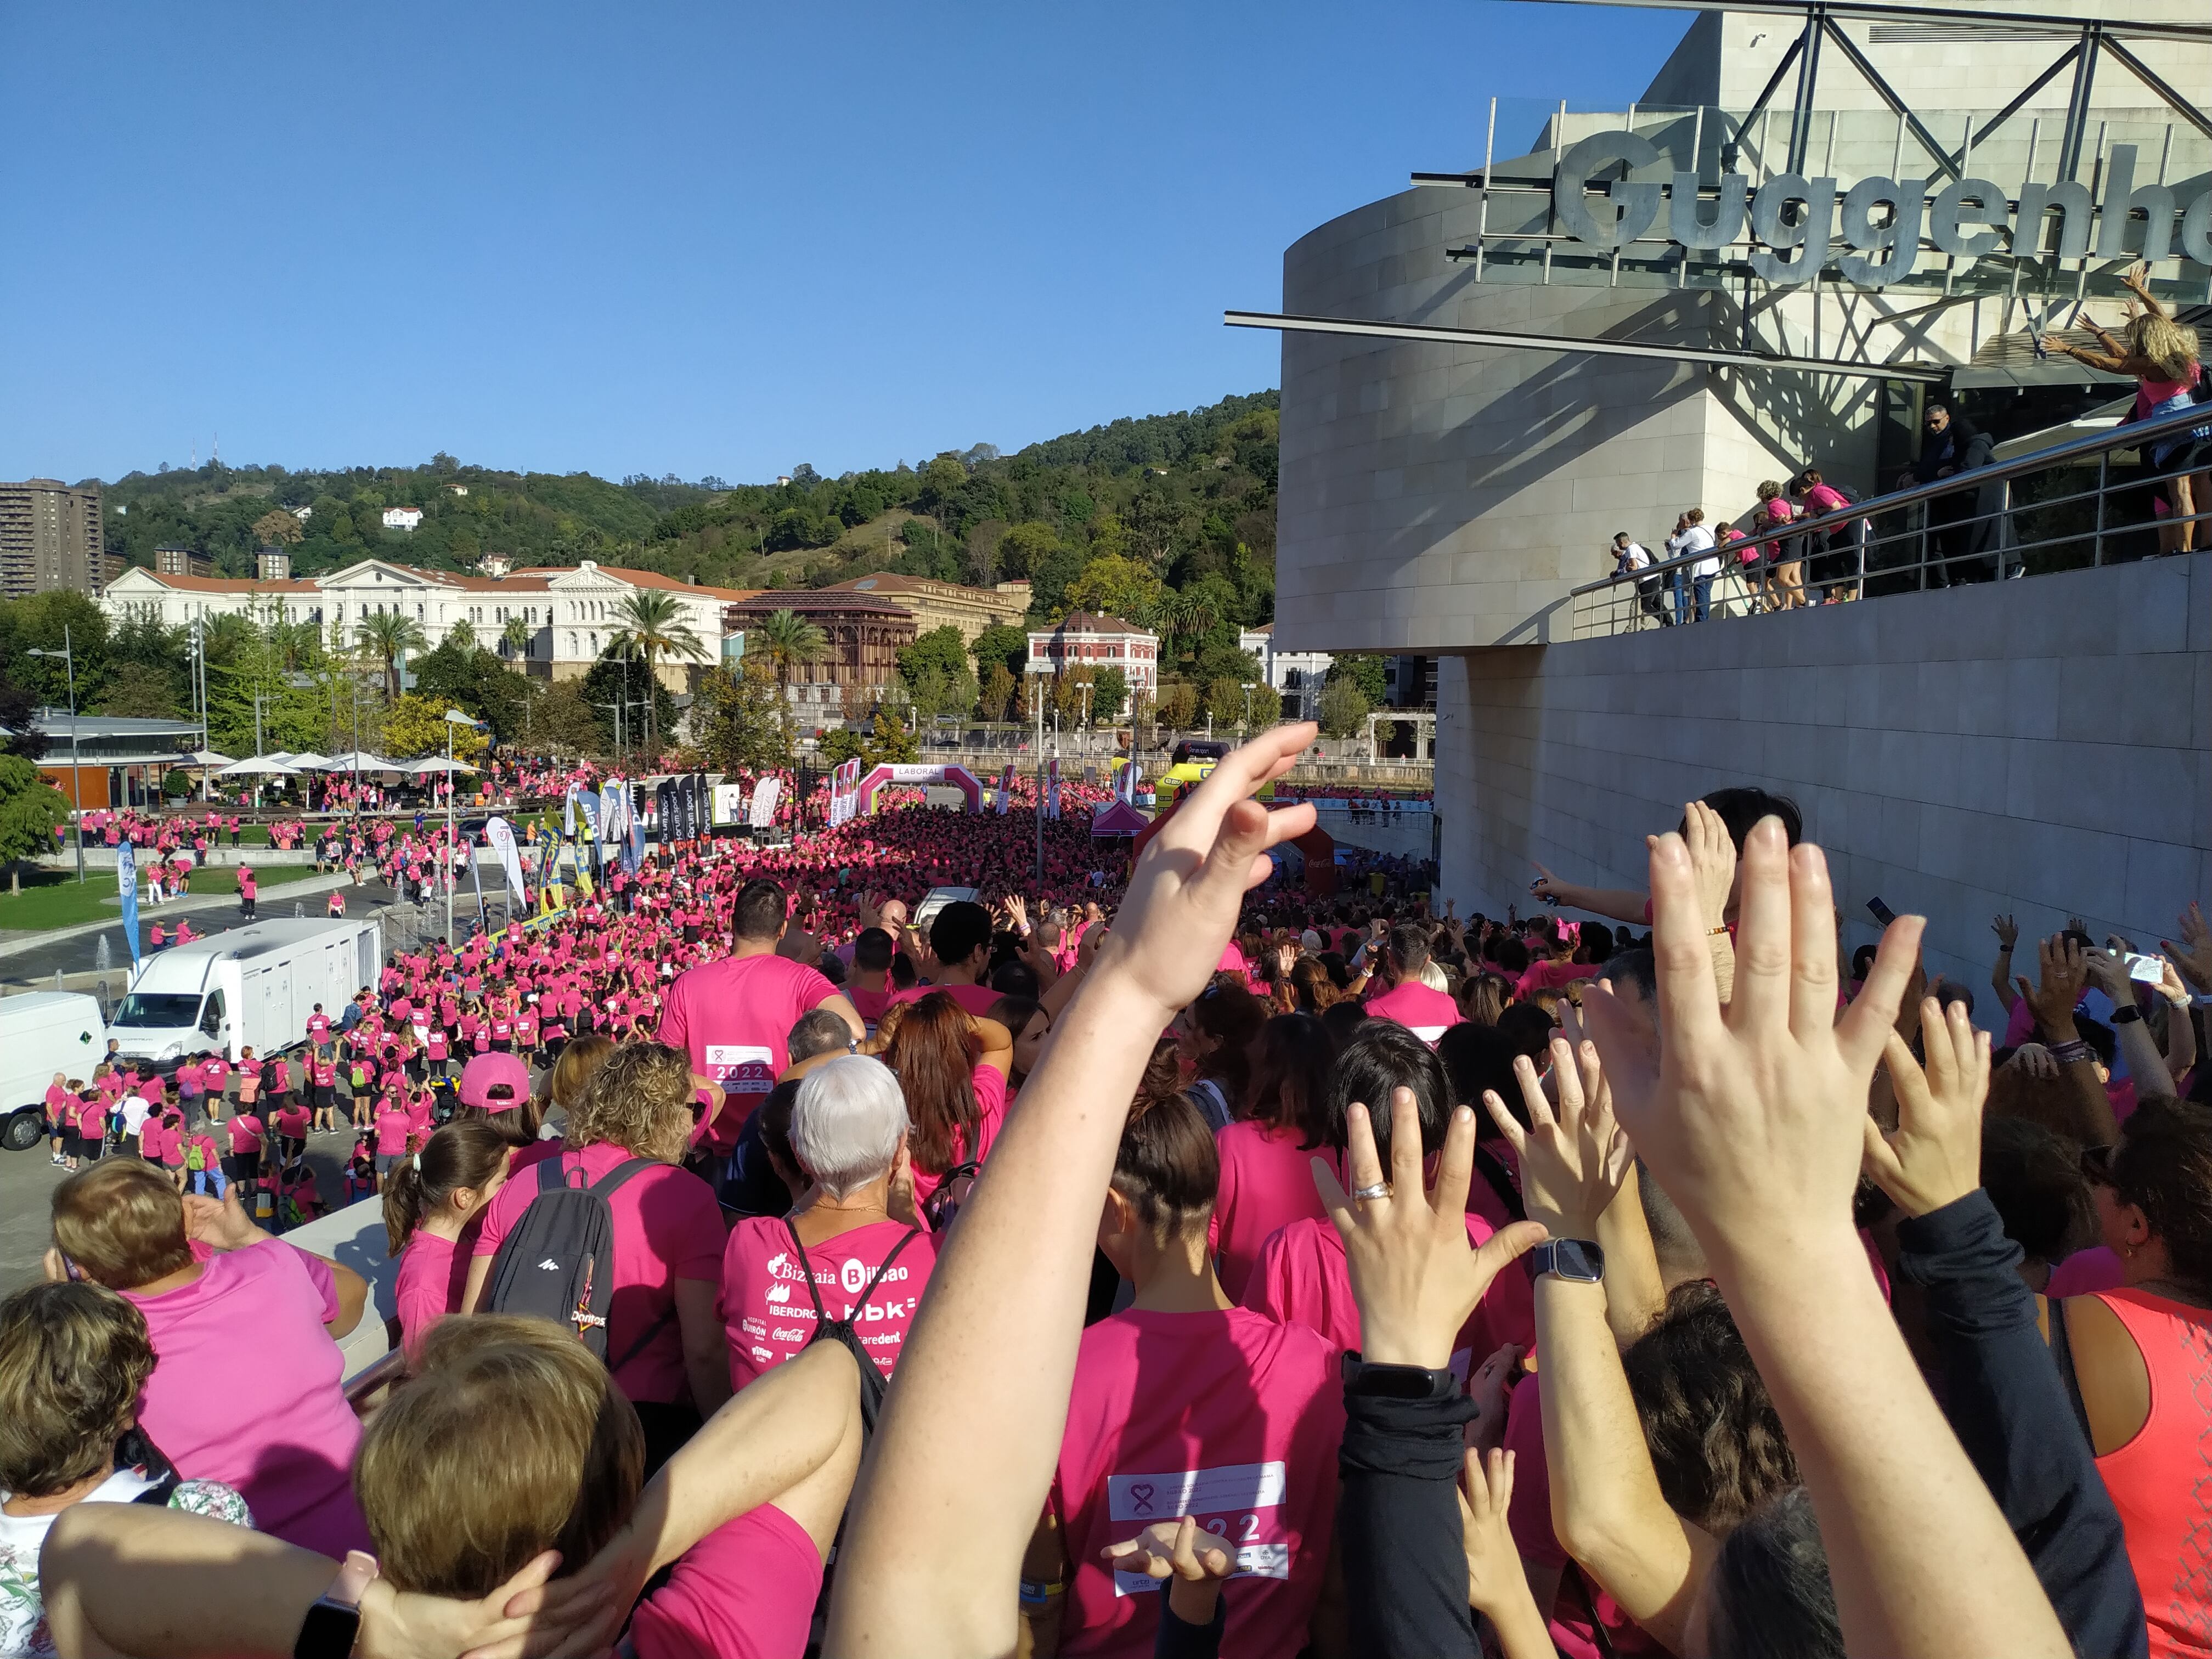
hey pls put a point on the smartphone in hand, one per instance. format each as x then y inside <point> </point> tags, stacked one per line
<point>1882,913</point>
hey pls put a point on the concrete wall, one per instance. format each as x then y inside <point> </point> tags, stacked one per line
<point>2041,746</point>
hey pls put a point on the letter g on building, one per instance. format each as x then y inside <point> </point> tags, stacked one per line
<point>1630,207</point>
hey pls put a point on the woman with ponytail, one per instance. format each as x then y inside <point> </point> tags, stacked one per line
<point>1267,1155</point>
<point>430,1197</point>
<point>1185,1404</point>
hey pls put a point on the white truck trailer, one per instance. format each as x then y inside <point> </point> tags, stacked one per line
<point>249,987</point>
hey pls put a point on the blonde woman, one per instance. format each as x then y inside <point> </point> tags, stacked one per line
<point>2162,354</point>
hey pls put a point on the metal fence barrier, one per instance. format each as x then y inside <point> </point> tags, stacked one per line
<point>2072,506</point>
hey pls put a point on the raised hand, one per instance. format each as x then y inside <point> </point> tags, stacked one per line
<point>2007,930</point>
<point>1573,1161</point>
<point>1933,1155</point>
<point>1712,858</point>
<point>2193,955</point>
<point>2062,974</point>
<point>1751,1117</point>
<point>1183,897</point>
<point>1413,1274</point>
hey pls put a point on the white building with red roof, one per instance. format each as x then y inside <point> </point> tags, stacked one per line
<point>571,613</point>
<point>1083,639</point>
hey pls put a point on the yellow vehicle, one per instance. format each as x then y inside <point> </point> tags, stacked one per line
<point>1191,760</point>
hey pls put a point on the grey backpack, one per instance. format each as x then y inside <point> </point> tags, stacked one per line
<point>558,1263</point>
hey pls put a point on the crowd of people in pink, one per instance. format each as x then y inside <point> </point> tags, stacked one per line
<point>1191,1251</point>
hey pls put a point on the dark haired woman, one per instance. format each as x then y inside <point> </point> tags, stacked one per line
<point>1184,1404</point>
<point>952,1067</point>
<point>1214,1034</point>
<point>1266,1174</point>
<point>2143,1357</point>
<point>430,1197</point>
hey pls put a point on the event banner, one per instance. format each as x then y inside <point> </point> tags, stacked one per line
<point>1006,790</point>
<point>762,815</point>
<point>127,888</point>
<point>501,834</point>
<point>613,810</point>
<point>1052,787</point>
<point>844,793</point>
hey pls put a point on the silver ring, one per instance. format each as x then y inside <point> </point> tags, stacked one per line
<point>1380,1189</point>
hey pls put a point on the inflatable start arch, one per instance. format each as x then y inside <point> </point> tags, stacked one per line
<point>959,777</point>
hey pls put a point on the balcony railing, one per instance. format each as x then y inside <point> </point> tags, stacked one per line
<point>2068,508</point>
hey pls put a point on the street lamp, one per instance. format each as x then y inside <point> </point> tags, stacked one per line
<point>76,773</point>
<point>1245,730</point>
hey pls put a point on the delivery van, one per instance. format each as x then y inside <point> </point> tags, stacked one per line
<point>249,987</point>
<point>40,1033</point>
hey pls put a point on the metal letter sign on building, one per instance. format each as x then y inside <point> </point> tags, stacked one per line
<point>1793,219</point>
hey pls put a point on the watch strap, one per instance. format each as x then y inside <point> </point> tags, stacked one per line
<point>1578,1261</point>
<point>332,1625</point>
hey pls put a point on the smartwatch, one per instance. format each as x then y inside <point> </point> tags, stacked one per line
<point>2125,1015</point>
<point>1579,1261</point>
<point>333,1623</point>
<point>1366,1382</point>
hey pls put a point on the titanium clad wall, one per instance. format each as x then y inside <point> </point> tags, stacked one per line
<point>2042,747</point>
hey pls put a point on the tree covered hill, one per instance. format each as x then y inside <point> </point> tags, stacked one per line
<point>1125,516</point>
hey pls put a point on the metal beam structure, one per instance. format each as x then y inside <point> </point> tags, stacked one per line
<point>1878,12</point>
<point>1912,373</point>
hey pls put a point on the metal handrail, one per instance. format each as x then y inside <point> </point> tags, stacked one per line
<point>387,1368</point>
<point>2093,444</point>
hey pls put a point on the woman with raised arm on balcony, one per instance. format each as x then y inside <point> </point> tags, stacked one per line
<point>2162,354</point>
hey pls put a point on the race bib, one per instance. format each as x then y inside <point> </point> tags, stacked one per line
<point>1241,1501</point>
<point>742,1068</point>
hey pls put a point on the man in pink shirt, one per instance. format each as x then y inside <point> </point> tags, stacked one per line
<point>960,941</point>
<point>731,1016</point>
<point>1427,1013</point>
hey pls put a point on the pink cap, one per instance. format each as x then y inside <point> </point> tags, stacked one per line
<point>488,1071</point>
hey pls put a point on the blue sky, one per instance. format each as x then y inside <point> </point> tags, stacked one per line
<point>696,238</point>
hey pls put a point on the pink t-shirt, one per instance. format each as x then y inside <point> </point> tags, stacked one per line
<point>248,1389</point>
<point>2097,1268</point>
<point>432,1274</point>
<point>1267,1182</point>
<point>746,1590</point>
<point>1233,961</point>
<point>869,1004</point>
<point>1548,976</point>
<point>732,1017</point>
<point>1427,1014</point>
<point>668,1227</point>
<point>1301,1279</point>
<point>1245,1438</point>
<point>392,1126</point>
<point>768,1314</point>
<point>1530,1518</point>
<point>978,999</point>
<point>990,1085</point>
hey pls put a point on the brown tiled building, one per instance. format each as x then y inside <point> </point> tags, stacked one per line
<point>865,634</point>
<point>935,604</point>
<point>51,537</point>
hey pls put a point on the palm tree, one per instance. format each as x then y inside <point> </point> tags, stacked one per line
<point>651,623</point>
<point>514,638</point>
<point>389,636</point>
<point>789,641</point>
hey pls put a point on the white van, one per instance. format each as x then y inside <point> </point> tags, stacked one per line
<point>40,1033</point>
<point>249,987</point>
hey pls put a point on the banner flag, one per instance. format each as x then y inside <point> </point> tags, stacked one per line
<point>126,887</point>
<point>500,834</point>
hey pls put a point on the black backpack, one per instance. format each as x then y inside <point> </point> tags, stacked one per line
<point>826,1330</point>
<point>559,1262</point>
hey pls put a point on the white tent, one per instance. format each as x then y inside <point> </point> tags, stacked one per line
<point>309,762</point>
<point>208,757</point>
<point>260,766</point>
<point>359,761</point>
<point>439,763</point>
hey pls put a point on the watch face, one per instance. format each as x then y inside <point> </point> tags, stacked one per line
<point>1575,1259</point>
<point>327,1632</point>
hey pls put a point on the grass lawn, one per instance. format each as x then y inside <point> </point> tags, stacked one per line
<point>55,898</point>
